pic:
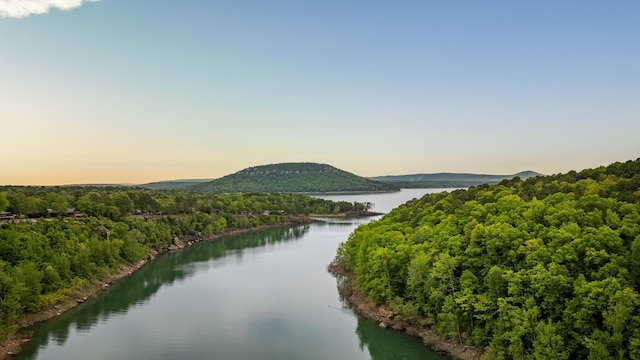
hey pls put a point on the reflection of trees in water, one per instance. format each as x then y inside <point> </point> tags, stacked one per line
<point>142,284</point>
<point>386,344</point>
<point>341,221</point>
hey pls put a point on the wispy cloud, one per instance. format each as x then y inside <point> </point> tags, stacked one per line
<point>24,8</point>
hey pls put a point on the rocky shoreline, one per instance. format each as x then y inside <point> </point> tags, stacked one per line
<point>386,318</point>
<point>13,343</point>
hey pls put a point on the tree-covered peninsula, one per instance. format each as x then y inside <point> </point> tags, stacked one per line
<point>545,268</point>
<point>55,241</point>
<point>292,178</point>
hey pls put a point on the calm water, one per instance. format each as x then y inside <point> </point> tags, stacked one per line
<point>263,295</point>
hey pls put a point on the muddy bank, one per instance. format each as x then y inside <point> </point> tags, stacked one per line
<point>385,317</point>
<point>13,344</point>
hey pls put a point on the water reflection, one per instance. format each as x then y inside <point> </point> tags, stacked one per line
<point>386,344</point>
<point>144,283</point>
<point>342,221</point>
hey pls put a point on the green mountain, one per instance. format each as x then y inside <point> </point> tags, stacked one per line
<point>172,184</point>
<point>292,178</point>
<point>448,180</point>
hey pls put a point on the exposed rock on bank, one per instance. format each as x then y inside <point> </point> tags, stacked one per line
<point>386,318</point>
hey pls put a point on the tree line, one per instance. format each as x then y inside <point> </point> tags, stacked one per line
<point>545,268</point>
<point>56,240</point>
<point>116,202</point>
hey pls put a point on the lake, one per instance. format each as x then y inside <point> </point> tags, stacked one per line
<point>260,295</point>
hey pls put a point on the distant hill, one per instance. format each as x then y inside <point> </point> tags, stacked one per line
<point>94,185</point>
<point>292,178</point>
<point>448,180</point>
<point>173,184</point>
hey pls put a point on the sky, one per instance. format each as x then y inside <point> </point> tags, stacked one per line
<point>124,91</point>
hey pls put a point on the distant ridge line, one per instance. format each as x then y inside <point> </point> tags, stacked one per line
<point>446,179</point>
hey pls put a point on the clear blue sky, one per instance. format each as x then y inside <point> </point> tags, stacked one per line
<point>136,91</point>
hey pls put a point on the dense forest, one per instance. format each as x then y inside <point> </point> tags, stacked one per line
<point>292,178</point>
<point>57,240</point>
<point>545,268</point>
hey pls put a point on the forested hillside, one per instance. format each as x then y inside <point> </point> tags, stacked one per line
<point>56,240</point>
<point>292,178</point>
<point>545,268</point>
<point>172,184</point>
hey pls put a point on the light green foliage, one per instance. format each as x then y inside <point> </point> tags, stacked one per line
<point>547,268</point>
<point>549,342</point>
<point>123,202</point>
<point>4,202</point>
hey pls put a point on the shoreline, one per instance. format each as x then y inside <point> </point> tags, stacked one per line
<point>364,306</point>
<point>351,192</point>
<point>13,344</point>
<point>347,214</point>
